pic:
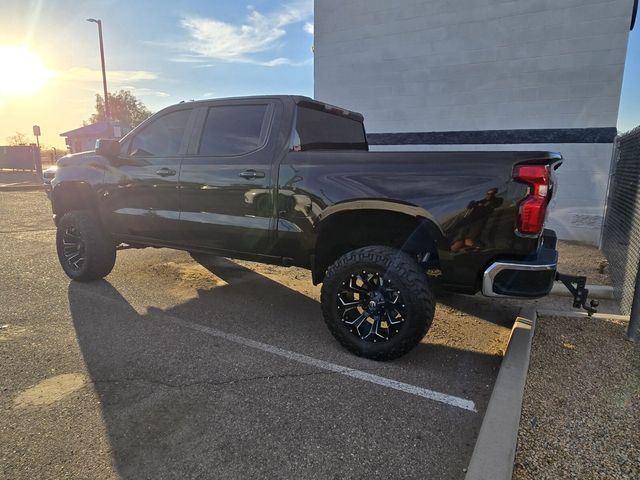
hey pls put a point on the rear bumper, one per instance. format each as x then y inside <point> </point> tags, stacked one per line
<point>531,278</point>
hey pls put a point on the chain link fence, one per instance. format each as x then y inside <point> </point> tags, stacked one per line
<point>621,235</point>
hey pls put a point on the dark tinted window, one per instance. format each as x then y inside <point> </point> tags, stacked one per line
<point>162,137</point>
<point>233,130</point>
<point>318,129</point>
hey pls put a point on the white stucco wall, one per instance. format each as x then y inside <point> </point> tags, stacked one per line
<point>459,65</point>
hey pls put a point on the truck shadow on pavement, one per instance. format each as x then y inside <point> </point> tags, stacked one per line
<point>178,403</point>
<point>501,312</point>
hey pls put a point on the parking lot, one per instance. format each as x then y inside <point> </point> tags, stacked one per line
<point>173,369</point>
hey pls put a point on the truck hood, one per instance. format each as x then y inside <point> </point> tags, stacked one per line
<point>81,158</point>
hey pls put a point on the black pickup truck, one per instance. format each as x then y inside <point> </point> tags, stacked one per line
<point>288,180</point>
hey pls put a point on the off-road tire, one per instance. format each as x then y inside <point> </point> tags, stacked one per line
<point>98,250</point>
<point>407,276</point>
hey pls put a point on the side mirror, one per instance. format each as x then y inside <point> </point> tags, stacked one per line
<point>107,147</point>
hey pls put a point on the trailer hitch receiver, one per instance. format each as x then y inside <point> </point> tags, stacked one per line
<point>579,292</point>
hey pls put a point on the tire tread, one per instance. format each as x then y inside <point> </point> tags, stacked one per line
<point>100,249</point>
<point>417,288</point>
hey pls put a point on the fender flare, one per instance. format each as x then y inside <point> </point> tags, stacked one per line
<point>384,205</point>
<point>87,198</point>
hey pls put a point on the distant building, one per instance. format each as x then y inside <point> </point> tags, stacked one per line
<point>460,75</point>
<point>84,138</point>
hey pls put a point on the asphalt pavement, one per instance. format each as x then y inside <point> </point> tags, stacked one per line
<point>172,369</point>
<point>20,180</point>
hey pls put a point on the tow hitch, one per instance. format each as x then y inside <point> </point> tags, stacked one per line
<point>579,292</point>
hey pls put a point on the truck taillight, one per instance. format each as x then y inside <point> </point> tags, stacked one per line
<point>533,208</point>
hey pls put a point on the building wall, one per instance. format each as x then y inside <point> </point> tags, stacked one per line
<point>455,65</point>
<point>82,143</point>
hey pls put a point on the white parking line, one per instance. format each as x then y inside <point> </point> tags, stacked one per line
<point>332,367</point>
<point>451,400</point>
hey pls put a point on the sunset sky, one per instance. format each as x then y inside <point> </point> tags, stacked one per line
<point>165,52</point>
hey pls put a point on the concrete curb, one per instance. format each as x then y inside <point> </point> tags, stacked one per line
<point>580,314</point>
<point>495,449</point>
<point>602,292</point>
<point>21,188</point>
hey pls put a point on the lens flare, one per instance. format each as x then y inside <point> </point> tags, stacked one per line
<point>21,72</point>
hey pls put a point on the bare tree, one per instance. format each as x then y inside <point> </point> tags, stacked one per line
<point>18,138</point>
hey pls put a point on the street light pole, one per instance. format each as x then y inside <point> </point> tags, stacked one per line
<point>104,71</point>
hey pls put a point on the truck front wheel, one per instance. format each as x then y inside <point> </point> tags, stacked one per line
<point>84,250</point>
<point>377,302</point>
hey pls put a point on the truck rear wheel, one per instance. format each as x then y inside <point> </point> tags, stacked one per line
<point>84,250</point>
<point>377,302</point>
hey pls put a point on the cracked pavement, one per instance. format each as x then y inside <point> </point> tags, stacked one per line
<point>124,390</point>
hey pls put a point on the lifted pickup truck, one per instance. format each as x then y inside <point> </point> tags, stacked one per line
<point>288,180</point>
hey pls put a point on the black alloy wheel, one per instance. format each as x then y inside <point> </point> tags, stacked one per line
<point>371,306</point>
<point>85,251</point>
<point>73,248</point>
<point>377,302</point>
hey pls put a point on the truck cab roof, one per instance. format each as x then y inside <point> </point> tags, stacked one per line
<point>300,100</point>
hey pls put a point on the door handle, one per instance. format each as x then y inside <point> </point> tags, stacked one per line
<point>251,173</point>
<point>165,172</point>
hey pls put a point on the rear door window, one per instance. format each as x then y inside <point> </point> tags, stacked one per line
<point>234,130</point>
<point>322,130</point>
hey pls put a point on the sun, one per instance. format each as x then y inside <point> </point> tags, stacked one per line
<point>21,72</point>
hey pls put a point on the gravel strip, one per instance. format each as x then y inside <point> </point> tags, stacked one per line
<point>581,409</point>
<point>576,258</point>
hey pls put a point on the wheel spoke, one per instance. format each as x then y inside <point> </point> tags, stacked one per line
<point>394,294</point>
<point>347,306</point>
<point>72,248</point>
<point>372,328</point>
<point>392,320</point>
<point>369,281</point>
<point>358,320</point>
<point>378,325</point>
<point>355,288</point>
<point>69,250</point>
<point>371,306</point>
<point>71,257</point>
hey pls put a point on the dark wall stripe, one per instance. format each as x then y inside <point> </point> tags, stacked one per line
<point>497,137</point>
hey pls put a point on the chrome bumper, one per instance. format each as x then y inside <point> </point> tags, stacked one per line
<point>531,278</point>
